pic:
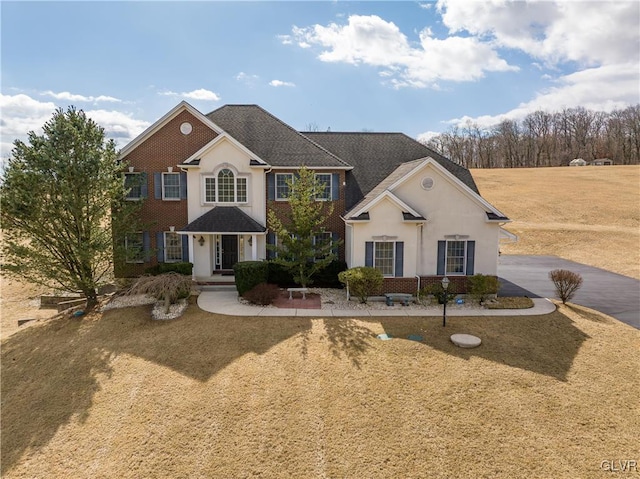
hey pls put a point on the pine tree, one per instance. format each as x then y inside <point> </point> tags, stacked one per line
<point>303,246</point>
<point>57,196</point>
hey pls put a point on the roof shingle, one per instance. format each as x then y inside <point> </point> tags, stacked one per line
<point>225,219</point>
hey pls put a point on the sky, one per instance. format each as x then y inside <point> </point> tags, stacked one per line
<point>414,67</point>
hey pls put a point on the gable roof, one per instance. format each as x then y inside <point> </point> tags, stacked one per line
<point>224,219</point>
<point>375,156</point>
<point>166,118</point>
<point>271,139</point>
<point>406,170</point>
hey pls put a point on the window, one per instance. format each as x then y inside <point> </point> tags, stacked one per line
<point>225,187</point>
<point>325,192</point>
<point>282,185</point>
<point>383,258</point>
<point>210,189</point>
<point>170,186</point>
<point>172,248</point>
<point>133,185</point>
<point>134,248</point>
<point>455,257</point>
<point>321,240</point>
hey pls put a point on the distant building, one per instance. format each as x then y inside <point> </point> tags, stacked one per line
<point>602,162</point>
<point>578,162</point>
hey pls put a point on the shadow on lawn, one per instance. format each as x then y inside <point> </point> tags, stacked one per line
<point>349,338</point>
<point>542,344</point>
<point>50,372</point>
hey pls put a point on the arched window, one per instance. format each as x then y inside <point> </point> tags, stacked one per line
<point>226,186</point>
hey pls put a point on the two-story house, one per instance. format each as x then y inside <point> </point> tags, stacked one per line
<point>208,182</point>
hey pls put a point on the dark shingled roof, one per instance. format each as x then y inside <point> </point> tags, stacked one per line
<point>493,216</point>
<point>225,219</point>
<point>375,155</point>
<point>271,139</point>
<point>406,216</point>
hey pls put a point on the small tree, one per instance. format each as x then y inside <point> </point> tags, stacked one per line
<point>566,283</point>
<point>57,197</point>
<point>303,249</point>
<point>168,287</point>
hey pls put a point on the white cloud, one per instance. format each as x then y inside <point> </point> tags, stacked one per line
<point>604,88</point>
<point>65,95</point>
<point>373,41</point>
<point>587,32</point>
<point>247,78</point>
<point>278,83</point>
<point>21,114</point>
<point>285,39</point>
<point>427,135</point>
<point>200,94</point>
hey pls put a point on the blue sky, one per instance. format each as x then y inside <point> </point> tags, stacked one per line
<point>415,67</point>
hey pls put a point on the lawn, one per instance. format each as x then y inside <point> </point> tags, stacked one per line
<point>120,395</point>
<point>586,214</point>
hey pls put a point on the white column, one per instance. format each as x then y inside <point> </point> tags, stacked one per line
<point>254,247</point>
<point>193,270</point>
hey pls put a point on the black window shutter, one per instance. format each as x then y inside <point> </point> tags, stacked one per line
<point>160,246</point>
<point>335,186</point>
<point>368,253</point>
<point>271,186</point>
<point>157,185</point>
<point>335,237</point>
<point>399,259</point>
<point>442,252</point>
<point>471,253</point>
<point>185,248</point>
<point>183,185</point>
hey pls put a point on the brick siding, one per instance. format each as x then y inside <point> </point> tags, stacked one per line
<point>166,147</point>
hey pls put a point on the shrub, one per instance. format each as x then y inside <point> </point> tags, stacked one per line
<point>262,294</point>
<point>566,283</point>
<point>248,274</point>
<point>162,268</point>
<point>362,281</point>
<point>483,286</point>
<point>328,276</point>
<point>279,275</point>
<point>438,292</point>
<point>169,287</point>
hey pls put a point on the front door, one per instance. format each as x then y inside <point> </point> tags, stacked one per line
<point>229,251</point>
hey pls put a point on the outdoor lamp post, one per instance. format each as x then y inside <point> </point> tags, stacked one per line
<point>445,285</point>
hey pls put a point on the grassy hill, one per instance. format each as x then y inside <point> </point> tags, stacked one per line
<point>587,214</point>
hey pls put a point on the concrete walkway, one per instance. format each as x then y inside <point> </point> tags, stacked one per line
<point>226,302</point>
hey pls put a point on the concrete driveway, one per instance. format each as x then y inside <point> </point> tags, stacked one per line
<point>610,293</point>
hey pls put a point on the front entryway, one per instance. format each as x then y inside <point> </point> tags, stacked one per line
<point>229,244</point>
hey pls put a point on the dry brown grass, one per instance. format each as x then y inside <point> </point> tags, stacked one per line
<point>19,300</point>
<point>213,396</point>
<point>589,214</point>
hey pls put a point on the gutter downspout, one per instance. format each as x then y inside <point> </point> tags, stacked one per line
<point>418,256</point>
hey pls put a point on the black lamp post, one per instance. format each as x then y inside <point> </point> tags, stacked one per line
<point>445,285</point>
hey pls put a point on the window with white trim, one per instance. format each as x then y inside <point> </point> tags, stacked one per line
<point>384,257</point>
<point>456,257</point>
<point>133,185</point>
<point>283,180</point>
<point>325,191</point>
<point>225,187</point>
<point>134,248</point>
<point>170,186</point>
<point>172,247</point>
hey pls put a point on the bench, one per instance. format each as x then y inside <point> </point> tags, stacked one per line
<point>304,292</point>
<point>403,297</point>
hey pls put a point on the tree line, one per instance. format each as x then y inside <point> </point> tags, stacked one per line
<point>545,139</point>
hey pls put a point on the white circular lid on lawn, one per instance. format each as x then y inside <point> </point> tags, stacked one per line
<point>465,340</point>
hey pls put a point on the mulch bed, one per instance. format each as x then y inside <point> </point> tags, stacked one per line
<point>283,301</point>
